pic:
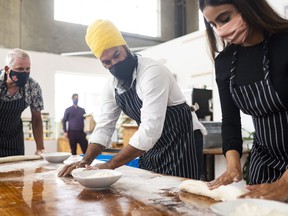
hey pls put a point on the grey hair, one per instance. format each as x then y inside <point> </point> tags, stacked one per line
<point>15,53</point>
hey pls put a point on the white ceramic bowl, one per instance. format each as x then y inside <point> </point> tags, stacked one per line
<point>96,179</point>
<point>55,157</point>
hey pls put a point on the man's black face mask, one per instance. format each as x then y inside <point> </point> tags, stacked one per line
<point>124,70</point>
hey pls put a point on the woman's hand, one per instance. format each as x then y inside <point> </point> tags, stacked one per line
<point>231,175</point>
<point>68,168</point>
<point>277,190</point>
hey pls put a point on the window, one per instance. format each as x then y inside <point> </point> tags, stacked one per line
<point>133,16</point>
<point>201,21</point>
<point>88,87</point>
<point>286,11</point>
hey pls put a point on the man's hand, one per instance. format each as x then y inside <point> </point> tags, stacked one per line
<point>277,190</point>
<point>65,135</point>
<point>98,166</point>
<point>39,152</point>
<point>68,168</point>
<point>92,151</point>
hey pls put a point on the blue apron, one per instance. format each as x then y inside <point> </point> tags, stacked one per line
<point>175,152</point>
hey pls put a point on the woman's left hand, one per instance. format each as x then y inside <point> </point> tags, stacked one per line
<point>277,190</point>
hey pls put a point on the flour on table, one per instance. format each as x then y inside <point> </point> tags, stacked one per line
<point>223,193</point>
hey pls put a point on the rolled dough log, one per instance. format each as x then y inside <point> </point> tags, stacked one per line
<point>222,193</point>
<point>19,158</point>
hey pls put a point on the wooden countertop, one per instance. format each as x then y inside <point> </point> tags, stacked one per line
<point>33,188</point>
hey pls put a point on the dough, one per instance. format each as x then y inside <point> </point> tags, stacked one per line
<point>256,210</point>
<point>19,158</point>
<point>222,193</point>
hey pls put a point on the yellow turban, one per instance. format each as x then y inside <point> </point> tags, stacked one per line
<point>102,35</point>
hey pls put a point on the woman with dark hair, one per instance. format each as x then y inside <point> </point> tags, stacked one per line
<point>249,42</point>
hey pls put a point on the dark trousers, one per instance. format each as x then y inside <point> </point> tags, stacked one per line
<point>76,137</point>
<point>198,137</point>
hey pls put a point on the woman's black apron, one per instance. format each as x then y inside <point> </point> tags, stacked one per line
<point>174,153</point>
<point>11,127</point>
<point>269,154</point>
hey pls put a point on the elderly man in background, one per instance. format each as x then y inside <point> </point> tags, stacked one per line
<point>18,91</point>
<point>147,92</point>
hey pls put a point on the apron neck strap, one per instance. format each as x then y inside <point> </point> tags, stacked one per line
<point>266,62</point>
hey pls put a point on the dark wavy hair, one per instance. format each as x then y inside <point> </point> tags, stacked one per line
<point>258,15</point>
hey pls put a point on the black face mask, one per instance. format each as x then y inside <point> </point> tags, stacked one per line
<point>19,78</point>
<point>124,70</point>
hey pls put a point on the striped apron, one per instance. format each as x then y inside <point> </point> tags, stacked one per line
<point>11,127</point>
<point>175,152</point>
<point>269,154</point>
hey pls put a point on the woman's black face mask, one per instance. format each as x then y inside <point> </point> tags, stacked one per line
<point>124,70</point>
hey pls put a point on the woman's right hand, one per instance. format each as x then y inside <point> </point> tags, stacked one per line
<point>233,172</point>
<point>68,168</point>
<point>229,176</point>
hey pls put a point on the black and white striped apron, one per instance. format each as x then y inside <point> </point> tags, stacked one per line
<point>269,155</point>
<point>11,127</point>
<point>174,153</point>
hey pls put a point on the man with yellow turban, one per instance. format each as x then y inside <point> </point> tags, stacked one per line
<point>147,92</point>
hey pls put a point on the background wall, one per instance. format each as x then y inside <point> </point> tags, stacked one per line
<point>30,25</point>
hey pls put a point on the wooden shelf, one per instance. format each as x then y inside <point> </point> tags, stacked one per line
<point>27,128</point>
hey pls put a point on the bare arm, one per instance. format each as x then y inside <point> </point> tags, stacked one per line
<point>127,154</point>
<point>37,128</point>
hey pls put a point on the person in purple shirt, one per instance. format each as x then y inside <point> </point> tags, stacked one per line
<point>74,115</point>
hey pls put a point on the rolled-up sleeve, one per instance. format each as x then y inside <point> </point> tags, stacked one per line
<point>106,122</point>
<point>154,87</point>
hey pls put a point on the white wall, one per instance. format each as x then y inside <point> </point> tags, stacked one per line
<point>30,146</point>
<point>279,5</point>
<point>186,56</point>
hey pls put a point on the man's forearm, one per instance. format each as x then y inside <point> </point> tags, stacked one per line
<point>127,154</point>
<point>93,150</point>
<point>37,127</point>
